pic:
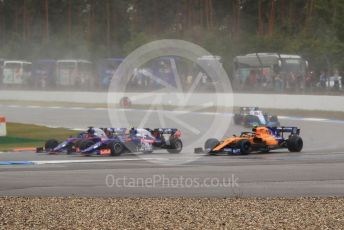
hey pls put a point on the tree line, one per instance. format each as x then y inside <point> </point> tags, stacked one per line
<point>91,29</point>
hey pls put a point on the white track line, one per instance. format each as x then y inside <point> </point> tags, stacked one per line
<point>314,119</point>
<point>76,108</point>
<point>33,106</point>
<point>90,161</point>
<point>14,106</point>
<point>52,107</point>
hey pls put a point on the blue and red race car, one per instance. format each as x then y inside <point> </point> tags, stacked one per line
<point>73,144</point>
<point>116,141</point>
<point>135,140</point>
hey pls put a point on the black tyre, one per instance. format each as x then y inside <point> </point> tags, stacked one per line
<point>237,119</point>
<point>147,152</point>
<point>274,118</point>
<point>77,143</point>
<point>70,148</point>
<point>295,143</point>
<point>265,150</point>
<point>116,148</point>
<point>176,146</point>
<point>245,147</point>
<point>210,144</point>
<point>246,121</point>
<point>51,144</point>
<point>86,144</point>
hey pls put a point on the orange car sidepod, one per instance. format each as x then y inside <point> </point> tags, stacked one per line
<point>266,135</point>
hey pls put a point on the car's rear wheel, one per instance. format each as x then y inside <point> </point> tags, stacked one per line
<point>116,148</point>
<point>237,119</point>
<point>51,144</point>
<point>176,146</point>
<point>295,143</point>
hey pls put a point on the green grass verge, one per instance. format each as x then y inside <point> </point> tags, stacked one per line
<point>25,135</point>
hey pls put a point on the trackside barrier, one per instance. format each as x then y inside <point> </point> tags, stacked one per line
<point>3,131</point>
<point>271,101</point>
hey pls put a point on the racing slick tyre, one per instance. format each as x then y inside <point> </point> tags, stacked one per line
<point>295,143</point>
<point>210,144</point>
<point>245,147</point>
<point>77,144</point>
<point>70,148</point>
<point>147,152</point>
<point>264,150</point>
<point>51,144</point>
<point>86,144</point>
<point>116,148</point>
<point>176,146</point>
<point>246,121</point>
<point>274,118</point>
<point>237,119</point>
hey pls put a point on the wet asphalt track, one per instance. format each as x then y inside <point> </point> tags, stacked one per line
<point>317,171</point>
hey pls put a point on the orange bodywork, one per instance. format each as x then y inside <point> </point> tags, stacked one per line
<point>105,152</point>
<point>263,134</point>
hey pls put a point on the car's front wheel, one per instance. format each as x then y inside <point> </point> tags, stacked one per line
<point>210,144</point>
<point>245,147</point>
<point>70,148</point>
<point>51,144</point>
<point>86,144</point>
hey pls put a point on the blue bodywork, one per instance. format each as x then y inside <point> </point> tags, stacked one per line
<point>130,141</point>
<point>68,145</point>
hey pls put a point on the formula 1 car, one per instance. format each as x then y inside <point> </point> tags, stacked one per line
<point>135,140</point>
<point>261,139</point>
<point>73,144</point>
<point>252,116</point>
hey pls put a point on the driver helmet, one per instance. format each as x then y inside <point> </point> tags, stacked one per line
<point>132,131</point>
<point>108,132</point>
<point>90,131</point>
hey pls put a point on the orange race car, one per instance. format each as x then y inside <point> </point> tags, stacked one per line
<point>261,139</point>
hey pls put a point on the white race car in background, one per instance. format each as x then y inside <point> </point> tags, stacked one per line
<point>253,116</point>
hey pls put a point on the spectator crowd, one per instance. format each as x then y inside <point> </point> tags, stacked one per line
<point>257,80</point>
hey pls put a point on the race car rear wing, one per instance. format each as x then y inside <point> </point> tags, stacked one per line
<point>249,108</point>
<point>118,130</point>
<point>160,130</point>
<point>163,130</point>
<point>291,130</point>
